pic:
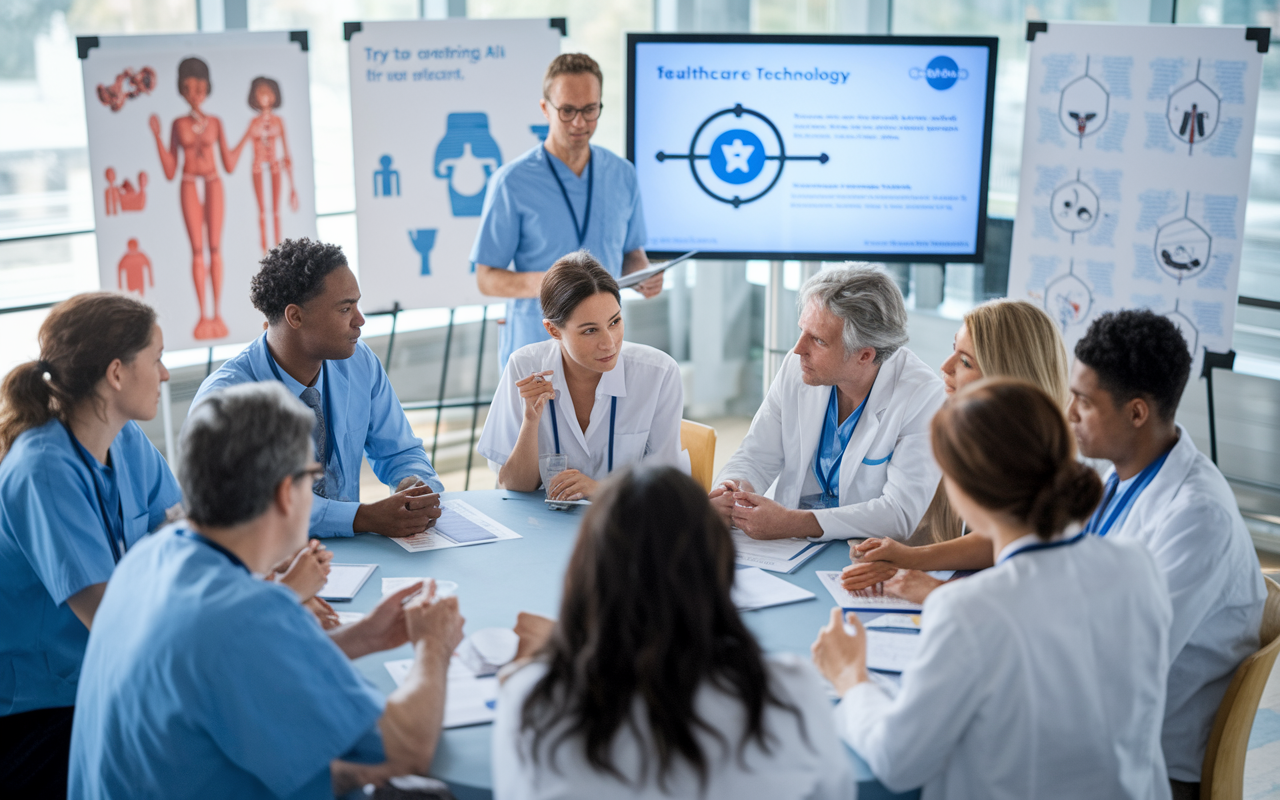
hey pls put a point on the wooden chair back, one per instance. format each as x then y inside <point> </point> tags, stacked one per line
<point>700,441</point>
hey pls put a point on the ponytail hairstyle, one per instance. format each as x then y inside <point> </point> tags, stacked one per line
<point>78,341</point>
<point>1006,445</point>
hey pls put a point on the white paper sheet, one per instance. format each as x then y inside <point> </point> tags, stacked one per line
<point>775,555</point>
<point>851,602</point>
<point>468,700</point>
<point>345,581</point>
<point>754,588</point>
<point>349,617</point>
<point>889,651</point>
<point>463,515</point>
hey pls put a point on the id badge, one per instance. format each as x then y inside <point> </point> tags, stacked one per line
<point>821,500</point>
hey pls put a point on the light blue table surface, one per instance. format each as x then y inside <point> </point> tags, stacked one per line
<point>499,579</point>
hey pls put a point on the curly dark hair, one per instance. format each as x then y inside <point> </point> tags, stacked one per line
<point>1138,353</point>
<point>293,273</point>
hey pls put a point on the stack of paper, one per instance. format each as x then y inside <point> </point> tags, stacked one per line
<point>775,555</point>
<point>460,524</point>
<point>864,602</point>
<point>345,581</point>
<point>754,588</point>
<point>468,700</point>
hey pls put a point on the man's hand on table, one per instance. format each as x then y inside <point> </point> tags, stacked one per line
<point>761,518</point>
<point>722,497</point>
<point>409,511</point>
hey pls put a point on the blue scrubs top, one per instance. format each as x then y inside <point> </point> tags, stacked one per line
<point>831,446</point>
<point>202,680</point>
<point>364,418</point>
<point>525,223</point>
<point>53,543</point>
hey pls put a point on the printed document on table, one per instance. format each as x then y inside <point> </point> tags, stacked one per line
<point>859,602</point>
<point>345,581</point>
<point>890,651</point>
<point>460,524</point>
<point>775,555</point>
<point>468,700</point>
<point>754,588</point>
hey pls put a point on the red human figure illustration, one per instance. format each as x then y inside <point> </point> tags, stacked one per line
<point>263,131</point>
<point>132,199</point>
<point>195,134</point>
<point>132,266</point>
<point>112,194</point>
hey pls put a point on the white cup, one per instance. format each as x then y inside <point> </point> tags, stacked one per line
<point>446,589</point>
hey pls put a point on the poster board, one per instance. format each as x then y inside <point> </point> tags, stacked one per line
<point>1135,174</point>
<point>181,221</point>
<point>437,106</point>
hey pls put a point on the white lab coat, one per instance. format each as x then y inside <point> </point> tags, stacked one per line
<point>650,395</point>
<point>887,475</point>
<point>1189,520</point>
<point>1042,677</point>
<point>806,760</point>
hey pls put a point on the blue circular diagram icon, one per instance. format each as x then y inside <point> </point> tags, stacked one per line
<point>942,73</point>
<point>737,156</point>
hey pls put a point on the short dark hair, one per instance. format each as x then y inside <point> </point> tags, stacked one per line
<point>291,274</point>
<point>1138,353</point>
<point>193,68</point>
<point>270,84</point>
<point>572,279</point>
<point>571,64</point>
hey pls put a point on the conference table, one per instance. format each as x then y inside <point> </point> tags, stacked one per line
<point>498,579</point>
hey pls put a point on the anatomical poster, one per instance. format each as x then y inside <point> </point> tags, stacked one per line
<point>437,106</point>
<point>1135,174</point>
<point>200,153</point>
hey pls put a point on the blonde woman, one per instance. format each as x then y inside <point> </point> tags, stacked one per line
<point>1001,338</point>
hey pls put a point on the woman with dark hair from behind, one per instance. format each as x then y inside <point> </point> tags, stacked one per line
<point>1043,676</point>
<point>79,484</point>
<point>650,685</point>
<point>583,394</point>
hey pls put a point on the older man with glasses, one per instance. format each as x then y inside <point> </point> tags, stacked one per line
<point>562,196</point>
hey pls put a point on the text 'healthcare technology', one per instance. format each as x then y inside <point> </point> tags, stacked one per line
<point>834,78</point>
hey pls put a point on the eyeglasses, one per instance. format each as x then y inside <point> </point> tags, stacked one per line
<point>590,113</point>
<point>315,473</point>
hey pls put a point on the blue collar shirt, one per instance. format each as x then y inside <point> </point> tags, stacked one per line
<point>364,417</point>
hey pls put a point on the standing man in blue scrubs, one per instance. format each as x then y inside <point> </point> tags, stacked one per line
<point>80,485</point>
<point>559,197</point>
<point>312,345</point>
<point>202,680</point>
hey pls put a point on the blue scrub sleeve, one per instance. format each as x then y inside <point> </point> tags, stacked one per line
<point>287,700</point>
<point>163,493</point>
<point>499,232</point>
<point>637,234</point>
<point>54,515</point>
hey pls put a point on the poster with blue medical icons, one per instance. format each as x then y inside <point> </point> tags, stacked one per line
<point>437,107</point>
<point>1135,173</point>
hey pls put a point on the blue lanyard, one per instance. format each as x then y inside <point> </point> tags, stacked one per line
<point>331,452</point>
<point>613,418</point>
<point>1097,524</point>
<point>830,482</point>
<point>116,552</point>
<point>232,557</point>
<point>586,215</point>
<point>1031,548</point>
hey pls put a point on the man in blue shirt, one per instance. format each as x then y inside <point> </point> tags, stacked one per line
<point>203,680</point>
<point>561,196</point>
<point>312,345</point>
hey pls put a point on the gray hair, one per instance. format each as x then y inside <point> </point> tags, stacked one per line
<point>867,301</point>
<point>237,446</point>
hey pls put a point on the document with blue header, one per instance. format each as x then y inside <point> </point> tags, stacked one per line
<point>775,555</point>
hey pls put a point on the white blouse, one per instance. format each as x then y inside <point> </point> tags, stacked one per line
<point>650,402</point>
<point>805,760</point>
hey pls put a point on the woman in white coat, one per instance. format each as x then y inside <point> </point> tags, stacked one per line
<point>1043,676</point>
<point>650,686</point>
<point>585,394</point>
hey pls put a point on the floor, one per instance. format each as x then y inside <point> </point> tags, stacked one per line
<point>1262,765</point>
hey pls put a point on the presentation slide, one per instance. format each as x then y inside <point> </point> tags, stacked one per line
<point>812,147</point>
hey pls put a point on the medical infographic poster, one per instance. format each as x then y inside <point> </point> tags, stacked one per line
<point>812,146</point>
<point>437,106</point>
<point>1135,174</point>
<point>200,152</point>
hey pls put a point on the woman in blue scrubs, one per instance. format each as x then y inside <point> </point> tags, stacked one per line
<point>79,485</point>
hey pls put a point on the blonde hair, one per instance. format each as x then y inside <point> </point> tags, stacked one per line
<point>1011,339</point>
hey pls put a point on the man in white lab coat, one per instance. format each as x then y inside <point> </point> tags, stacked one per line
<point>1130,370</point>
<point>844,430</point>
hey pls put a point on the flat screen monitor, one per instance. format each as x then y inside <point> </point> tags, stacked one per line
<point>812,147</point>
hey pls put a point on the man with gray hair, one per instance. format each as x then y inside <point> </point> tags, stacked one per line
<point>844,430</point>
<point>203,680</point>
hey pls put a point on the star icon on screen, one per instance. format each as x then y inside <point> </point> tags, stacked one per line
<point>736,155</point>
